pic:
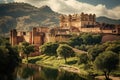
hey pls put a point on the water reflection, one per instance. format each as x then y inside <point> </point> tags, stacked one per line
<point>69,76</point>
<point>35,72</point>
<point>8,74</point>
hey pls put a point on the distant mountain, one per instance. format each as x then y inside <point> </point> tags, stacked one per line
<point>24,16</point>
<point>46,9</point>
<point>107,20</point>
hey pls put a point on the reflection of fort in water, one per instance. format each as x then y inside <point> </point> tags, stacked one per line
<point>71,24</point>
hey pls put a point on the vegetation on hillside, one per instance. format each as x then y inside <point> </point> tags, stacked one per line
<point>65,51</point>
<point>88,60</point>
<point>26,48</point>
<point>49,48</point>
<point>107,62</point>
<point>85,41</point>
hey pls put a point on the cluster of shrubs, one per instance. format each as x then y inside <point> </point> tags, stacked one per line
<point>9,58</point>
<point>104,57</point>
<point>101,56</point>
<point>57,49</point>
<point>86,39</point>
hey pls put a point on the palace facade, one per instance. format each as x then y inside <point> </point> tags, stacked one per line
<point>78,20</point>
<point>69,24</point>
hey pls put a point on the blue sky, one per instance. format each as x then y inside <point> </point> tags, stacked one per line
<point>108,3</point>
<point>108,8</point>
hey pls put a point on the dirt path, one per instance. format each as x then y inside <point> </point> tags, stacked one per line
<point>69,68</point>
<point>111,77</point>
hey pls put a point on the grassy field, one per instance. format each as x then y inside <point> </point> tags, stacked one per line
<point>54,62</point>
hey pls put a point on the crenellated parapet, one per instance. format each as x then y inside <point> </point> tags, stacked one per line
<point>78,17</point>
<point>77,20</point>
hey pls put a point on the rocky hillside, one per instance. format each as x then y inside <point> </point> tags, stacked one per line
<point>24,16</point>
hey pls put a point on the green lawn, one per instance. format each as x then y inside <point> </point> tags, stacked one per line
<point>51,60</point>
<point>54,62</point>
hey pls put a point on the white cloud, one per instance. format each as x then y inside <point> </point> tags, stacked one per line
<point>6,1</point>
<point>74,6</point>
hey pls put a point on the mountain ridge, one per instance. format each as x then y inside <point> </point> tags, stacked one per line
<point>103,19</point>
<point>24,16</point>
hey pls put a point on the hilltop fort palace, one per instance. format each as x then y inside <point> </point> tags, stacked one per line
<point>69,24</point>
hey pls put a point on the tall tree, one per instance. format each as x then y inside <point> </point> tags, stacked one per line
<point>107,62</point>
<point>65,51</point>
<point>26,48</point>
<point>49,48</point>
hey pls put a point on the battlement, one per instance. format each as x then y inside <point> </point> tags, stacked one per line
<point>77,17</point>
<point>77,20</point>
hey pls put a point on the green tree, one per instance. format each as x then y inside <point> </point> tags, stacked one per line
<point>83,47</point>
<point>65,51</point>
<point>94,52</point>
<point>75,41</point>
<point>26,48</point>
<point>83,58</point>
<point>107,62</point>
<point>4,41</point>
<point>96,38</point>
<point>49,48</point>
<point>114,47</point>
<point>87,38</point>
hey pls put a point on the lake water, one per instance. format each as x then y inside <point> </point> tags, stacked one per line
<point>35,72</point>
